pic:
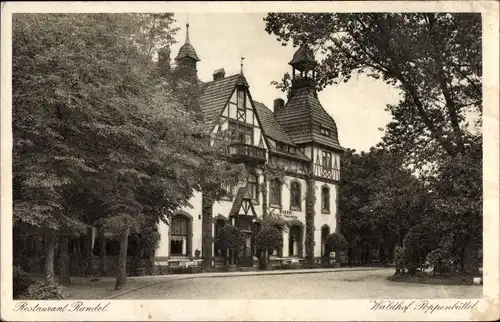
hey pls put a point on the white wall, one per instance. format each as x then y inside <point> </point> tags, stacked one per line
<point>320,218</point>
<point>195,212</point>
<point>223,208</point>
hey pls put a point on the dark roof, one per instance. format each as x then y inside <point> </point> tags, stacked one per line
<point>215,96</point>
<point>303,55</point>
<point>302,117</point>
<point>270,125</point>
<point>187,50</point>
<point>238,200</point>
<point>298,154</point>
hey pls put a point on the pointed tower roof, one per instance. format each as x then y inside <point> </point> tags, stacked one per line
<point>303,58</point>
<point>187,50</point>
<point>303,118</point>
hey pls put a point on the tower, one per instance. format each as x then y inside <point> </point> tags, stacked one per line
<point>187,58</point>
<point>303,64</point>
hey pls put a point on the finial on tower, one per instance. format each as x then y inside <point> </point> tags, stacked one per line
<point>187,29</point>
<point>241,65</point>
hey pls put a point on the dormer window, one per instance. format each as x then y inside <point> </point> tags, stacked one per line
<point>324,130</point>
<point>241,99</point>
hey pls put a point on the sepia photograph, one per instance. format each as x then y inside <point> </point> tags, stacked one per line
<point>190,155</point>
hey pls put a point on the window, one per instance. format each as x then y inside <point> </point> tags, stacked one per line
<point>240,133</point>
<point>295,195</point>
<point>327,160</point>
<point>275,193</point>
<point>325,200</point>
<point>324,131</point>
<point>180,236</point>
<point>241,99</point>
<point>252,185</point>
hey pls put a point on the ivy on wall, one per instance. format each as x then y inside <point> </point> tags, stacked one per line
<point>310,201</point>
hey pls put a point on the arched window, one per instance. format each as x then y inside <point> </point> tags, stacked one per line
<point>295,196</point>
<point>325,199</point>
<point>325,231</point>
<point>253,186</point>
<point>275,193</point>
<point>180,235</point>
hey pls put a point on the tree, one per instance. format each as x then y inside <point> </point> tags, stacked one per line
<point>268,239</point>
<point>434,59</point>
<point>229,238</point>
<point>379,201</point>
<point>93,122</point>
<point>335,242</point>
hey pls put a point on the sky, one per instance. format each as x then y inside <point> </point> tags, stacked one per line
<point>220,39</point>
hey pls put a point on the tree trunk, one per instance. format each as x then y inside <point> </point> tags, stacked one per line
<point>206,222</point>
<point>88,253</point>
<point>49,254</point>
<point>102,253</point>
<point>121,270</point>
<point>64,268</point>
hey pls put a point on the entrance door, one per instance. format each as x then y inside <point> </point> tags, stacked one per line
<point>246,255</point>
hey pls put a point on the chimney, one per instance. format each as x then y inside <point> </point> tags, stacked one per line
<point>278,105</point>
<point>219,74</point>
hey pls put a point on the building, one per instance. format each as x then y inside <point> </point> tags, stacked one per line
<point>298,134</point>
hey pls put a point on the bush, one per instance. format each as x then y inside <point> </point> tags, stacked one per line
<point>435,259</point>
<point>45,290</point>
<point>229,237</point>
<point>335,242</point>
<point>269,238</point>
<point>418,242</point>
<point>21,282</point>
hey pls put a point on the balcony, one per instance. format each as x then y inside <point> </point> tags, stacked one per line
<point>326,173</point>
<point>241,152</point>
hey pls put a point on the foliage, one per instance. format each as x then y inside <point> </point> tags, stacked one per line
<point>150,241</point>
<point>229,237</point>
<point>274,219</point>
<point>84,126</point>
<point>269,238</point>
<point>379,200</point>
<point>335,242</point>
<point>45,290</point>
<point>434,59</point>
<point>435,258</point>
<point>21,282</point>
<point>100,136</point>
<point>419,242</point>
